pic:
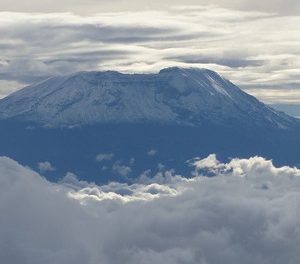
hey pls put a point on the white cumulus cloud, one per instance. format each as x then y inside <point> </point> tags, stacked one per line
<point>247,213</point>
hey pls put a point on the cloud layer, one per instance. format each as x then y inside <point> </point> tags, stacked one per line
<point>92,6</point>
<point>247,213</point>
<point>257,50</point>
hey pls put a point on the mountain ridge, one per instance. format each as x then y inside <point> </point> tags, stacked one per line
<point>182,96</point>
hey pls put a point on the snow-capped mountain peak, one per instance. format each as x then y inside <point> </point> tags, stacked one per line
<point>173,96</point>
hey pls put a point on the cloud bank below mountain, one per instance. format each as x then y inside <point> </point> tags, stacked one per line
<point>246,213</point>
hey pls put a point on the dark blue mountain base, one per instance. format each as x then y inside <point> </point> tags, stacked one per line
<point>75,149</point>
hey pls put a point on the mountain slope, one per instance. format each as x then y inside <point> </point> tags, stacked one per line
<point>173,96</point>
<point>140,123</point>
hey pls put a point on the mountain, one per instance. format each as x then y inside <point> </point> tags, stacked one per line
<point>173,96</point>
<point>106,126</point>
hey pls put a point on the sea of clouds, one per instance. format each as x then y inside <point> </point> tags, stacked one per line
<point>247,211</point>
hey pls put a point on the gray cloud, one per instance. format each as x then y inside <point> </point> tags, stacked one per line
<point>152,152</point>
<point>226,61</point>
<point>253,49</point>
<point>95,6</point>
<point>119,168</point>
<point>247,213</point>
<point>104,157</point>
<point>45,166</point>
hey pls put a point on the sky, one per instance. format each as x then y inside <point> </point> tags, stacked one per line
<point>255,44</point>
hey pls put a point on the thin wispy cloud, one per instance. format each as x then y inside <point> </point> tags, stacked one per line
<point>254,49</point>
<point>286,7</point>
